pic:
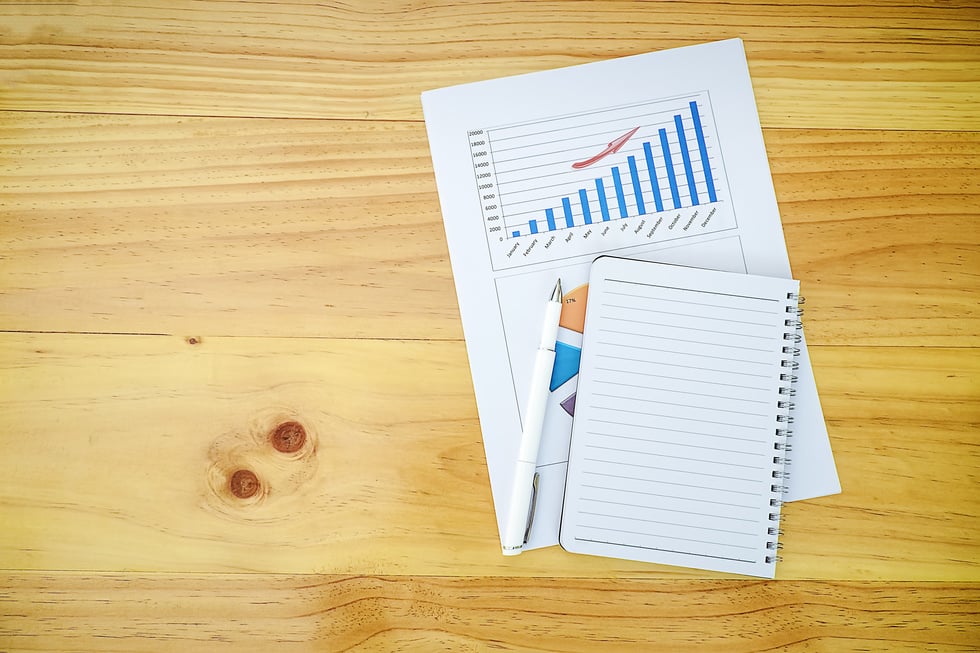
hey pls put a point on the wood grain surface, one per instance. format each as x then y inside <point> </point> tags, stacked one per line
<point>878,65</point>
<point>174,418</point>
<point>259,227</point>
<point>383,613</point>
<point>222,250</point>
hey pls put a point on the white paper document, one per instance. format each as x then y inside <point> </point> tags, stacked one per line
<point>657,157</point>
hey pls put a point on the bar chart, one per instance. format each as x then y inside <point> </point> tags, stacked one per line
<point>619,176</point>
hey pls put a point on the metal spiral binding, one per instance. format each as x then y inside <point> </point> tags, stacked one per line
<point>784,419</point>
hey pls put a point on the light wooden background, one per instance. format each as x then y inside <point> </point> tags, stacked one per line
<point>219,216</point>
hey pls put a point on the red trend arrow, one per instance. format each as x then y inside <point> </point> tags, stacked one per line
<point>613,147</point>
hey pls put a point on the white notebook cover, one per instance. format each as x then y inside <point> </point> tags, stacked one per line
<point>677,452</point>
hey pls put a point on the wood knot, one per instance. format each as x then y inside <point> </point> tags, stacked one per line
<point>244,484</point>
<point>288,437</point>
<point>192,340</point>
<point>256,470</point>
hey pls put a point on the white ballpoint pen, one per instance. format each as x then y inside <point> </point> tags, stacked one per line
<point>522,497</point>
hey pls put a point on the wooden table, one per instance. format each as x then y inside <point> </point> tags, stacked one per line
<point>220,218</point>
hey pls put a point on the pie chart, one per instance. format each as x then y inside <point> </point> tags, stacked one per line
<point>568,356</point>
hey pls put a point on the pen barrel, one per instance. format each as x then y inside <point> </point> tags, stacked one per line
<point>549,332</point>
<point>520,507</point>
<point>518,524</point>
<point>527,457</point>
<point>544,362</point>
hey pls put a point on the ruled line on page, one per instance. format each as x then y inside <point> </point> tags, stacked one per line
<point>620,436</point>
<point>694,315</point>
<point>654,548</point>
<point>667,537</point>
<point>665,496</point>
<point>696,291</point>
<point>698,433</point>
<point>662,482</point>
<point>671,523</point>
<point>767,309</point>
<point>674,326</point>
<point>691,367</point>
<point>684,340</point>
<point>679,405</point>
<point>675,470</point>
<point>703,421</point>
<point>661,509</point>
<point>678,378</point>
<point>693,394</point>
<point>660,454</point>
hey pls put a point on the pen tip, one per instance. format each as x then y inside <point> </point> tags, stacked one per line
<point>556,295</point>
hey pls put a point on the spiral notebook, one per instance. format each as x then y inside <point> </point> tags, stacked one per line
<point>678,447</point>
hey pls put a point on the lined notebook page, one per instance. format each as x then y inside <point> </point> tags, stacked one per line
<point>676,449</point>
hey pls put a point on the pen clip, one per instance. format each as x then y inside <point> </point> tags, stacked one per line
<point>530,512</point>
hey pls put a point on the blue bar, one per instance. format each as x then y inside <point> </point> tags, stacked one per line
<point>516,233</point>
<point>603,206</point>
<point>654,182</point>
<point>618,183</point>
<point>567,206</point>
<point>583,199</point>
<point>688,170</point>
<point>637,191</point>
<point>665,146</point>
<point>549,215</point>
<point>703,149</point>
<point>533,224</point>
